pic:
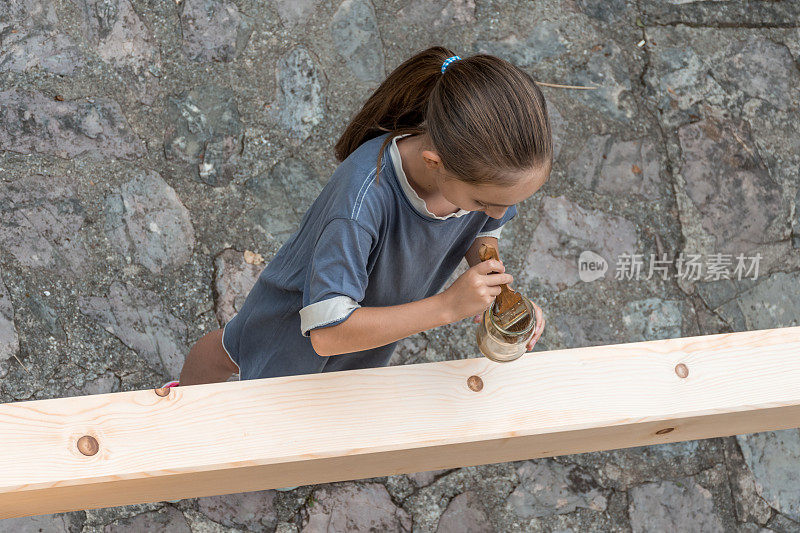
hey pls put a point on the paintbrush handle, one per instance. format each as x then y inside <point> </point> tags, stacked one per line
<point>487,252</point>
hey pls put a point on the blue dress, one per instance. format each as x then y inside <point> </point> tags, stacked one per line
<point>359,244</point>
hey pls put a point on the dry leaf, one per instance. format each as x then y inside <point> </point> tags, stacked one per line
<point>252,258</point>
<point>636,170</point>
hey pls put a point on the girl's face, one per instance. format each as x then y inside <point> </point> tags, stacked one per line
<point>493,200</point>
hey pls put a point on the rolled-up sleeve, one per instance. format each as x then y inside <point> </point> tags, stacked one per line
<point>336,279</point>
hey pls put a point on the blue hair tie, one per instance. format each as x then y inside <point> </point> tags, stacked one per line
<point>448,61</point>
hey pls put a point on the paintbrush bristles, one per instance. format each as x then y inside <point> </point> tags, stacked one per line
<point>509,307</point>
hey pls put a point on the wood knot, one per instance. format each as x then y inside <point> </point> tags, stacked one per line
<point>475,383</point>
<point>663,431</point>
<point>88,445</point>
<point>682,370</point>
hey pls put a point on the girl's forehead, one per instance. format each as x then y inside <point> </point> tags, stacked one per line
<point>527,184</point>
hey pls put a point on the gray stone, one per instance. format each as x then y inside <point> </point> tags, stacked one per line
<point>739,203</point>
<point>204,130</point>
<point>30,39</point>
<point>283,195</point>
<point>772,303</point>
<point>623,467</point>
<point>544,41</point>
<point>577,331</point>
<point>147,221</point>
<point>166,519</point>
<point>680,76</point>
<point>295,12</point>
<point>299,106</point>
<point>773,132</point>
<point>558,127</point>
<point>762,69</point>
<point>251,511</point>
<point>213,30</point>
<point>437,14</point>
<point>682,505</point>
<point>749,506</point>
<point>611,166</point>
<point>97,519</point>
<point>354,30</point>
<point>398,486</point>
<point>9,340</point>
<point>234,280</point>
<point>354,507</point>
<point>30,122</point>
<point>605,10</point>
<point>300,182</point>
<point>41,221</point>
<point>564,231</point>
<point>772,457</point>
<point>271,211</point>
<point>423,479</point>
<point>46,523</point>
<point>119,35</point>
<point>138,318</point>
<point>492,483</point>
<point>286,527</point>
<point>465,514</point>
<point>548,487</point>
<point>652,319</point>
<point>796,223</point>
<point>606,69</point>
<point>103,384</point>
<point>720,13</point>
<point>46,316</point>
<point>782,524</point>
<point>412,350</point>
<point>769,303</point>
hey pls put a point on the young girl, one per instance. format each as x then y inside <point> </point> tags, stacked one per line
<point>431,167</point>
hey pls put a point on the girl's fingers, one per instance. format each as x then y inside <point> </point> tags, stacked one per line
<point>499,279</point>
<point>489,266</point>
<point>538,328</point>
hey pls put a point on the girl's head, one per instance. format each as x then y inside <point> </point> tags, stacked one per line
<point>483,124</point>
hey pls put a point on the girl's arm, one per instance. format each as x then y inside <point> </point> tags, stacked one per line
<point>472,254</point>
<point>370,327</point>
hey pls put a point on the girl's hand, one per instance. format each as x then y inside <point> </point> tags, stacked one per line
<point>538,328</point>
<point>477,318</point>
<point>475,290</point>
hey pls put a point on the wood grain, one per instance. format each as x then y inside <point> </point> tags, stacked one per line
<point>230,437</point>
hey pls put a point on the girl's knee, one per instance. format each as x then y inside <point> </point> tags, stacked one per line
<point>227,359</point>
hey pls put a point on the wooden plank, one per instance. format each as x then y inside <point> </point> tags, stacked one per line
<point>251,435</point>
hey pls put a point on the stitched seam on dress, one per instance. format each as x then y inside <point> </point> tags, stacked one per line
<point>361,202</point>
<point>359,197</point>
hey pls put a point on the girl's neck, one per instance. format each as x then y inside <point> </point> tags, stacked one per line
<point>419,176</point>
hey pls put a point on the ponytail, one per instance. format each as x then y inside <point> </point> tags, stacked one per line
<point>486,118</point>
<point>398,105</point>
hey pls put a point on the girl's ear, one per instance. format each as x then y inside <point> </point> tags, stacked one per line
<point>432,160</point>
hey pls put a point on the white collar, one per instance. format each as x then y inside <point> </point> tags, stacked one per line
<point>413,197</point>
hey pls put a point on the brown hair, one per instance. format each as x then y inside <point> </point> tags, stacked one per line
<point>486,118</point>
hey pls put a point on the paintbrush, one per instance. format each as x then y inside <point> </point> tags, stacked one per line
<point>508,308</point>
